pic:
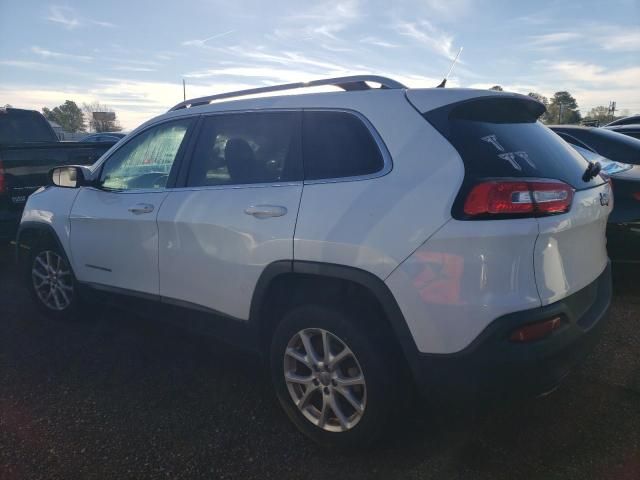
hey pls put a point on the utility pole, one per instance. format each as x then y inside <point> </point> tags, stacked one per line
<point>560,108</point>
<point>184,91</point>
<point>612,110</point>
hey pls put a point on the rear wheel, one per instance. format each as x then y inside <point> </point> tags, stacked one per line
<point>51,282</point>
<point>334,379</point>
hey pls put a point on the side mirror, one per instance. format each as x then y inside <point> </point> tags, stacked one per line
<point>67,177</point>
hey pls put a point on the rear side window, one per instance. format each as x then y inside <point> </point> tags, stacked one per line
<point>246,148</point>
<point>338,145</point>
<point>501,137</point>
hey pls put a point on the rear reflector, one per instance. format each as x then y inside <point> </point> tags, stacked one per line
<point>535,331</point>
<point>534,197</point>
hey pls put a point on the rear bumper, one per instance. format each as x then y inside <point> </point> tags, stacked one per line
<point>494,368</point>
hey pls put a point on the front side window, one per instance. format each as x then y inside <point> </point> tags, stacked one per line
<point>247,148</point>
<point>338,145</point>
<point>146,160</point>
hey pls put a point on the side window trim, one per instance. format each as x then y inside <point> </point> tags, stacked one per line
<point>381,146</point>
<point>176,163</point>
<point>183,175</point>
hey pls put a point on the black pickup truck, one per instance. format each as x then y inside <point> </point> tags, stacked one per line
<point>29,148</point>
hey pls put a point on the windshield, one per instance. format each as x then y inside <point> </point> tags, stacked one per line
<point>609,167</point>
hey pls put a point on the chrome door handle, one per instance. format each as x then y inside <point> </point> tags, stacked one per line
<point>140,208</point>
<point>265,211</point>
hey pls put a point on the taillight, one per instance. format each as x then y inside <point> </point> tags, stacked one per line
<point>3,182</point>
<point>531,197</point>
<point>636,196</point>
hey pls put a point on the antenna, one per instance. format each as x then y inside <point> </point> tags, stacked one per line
<point>453,64</point>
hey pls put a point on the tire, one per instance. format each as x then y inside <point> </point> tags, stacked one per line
<point>50,280</point>
<point>370,358</point>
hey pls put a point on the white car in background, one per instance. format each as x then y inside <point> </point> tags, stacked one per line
<point>357,240</point>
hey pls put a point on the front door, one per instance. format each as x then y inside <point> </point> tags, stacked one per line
<point>113,228</point>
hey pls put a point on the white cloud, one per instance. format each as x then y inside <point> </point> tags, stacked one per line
<point>270,73</point>
<point>203,42</point>
<point>43,66</point>
<point>68,18</point>
<point>622,41</point>
<point>595,35</point>
<point>449,9</point>
<point>580,73</point>
<point>590,84</point>
<point>429,36</point>
<point>328,10</point>
<point>63,15</point>
<point>323,20</point>
<point>131,68</point>
<point>288,59</point>
<point>554,39</point>
<point>43,52</point>
<point>102,23</point>
<point>376,42</point>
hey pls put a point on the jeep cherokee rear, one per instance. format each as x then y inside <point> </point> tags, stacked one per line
<point>347,237</point>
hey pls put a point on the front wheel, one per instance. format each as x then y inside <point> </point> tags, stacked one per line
<point>334,378</point>
<point>51,282</point>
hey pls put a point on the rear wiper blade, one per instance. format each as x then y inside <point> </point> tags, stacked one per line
<point>592,171</point>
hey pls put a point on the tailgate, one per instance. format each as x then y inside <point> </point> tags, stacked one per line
<point>570,251</point>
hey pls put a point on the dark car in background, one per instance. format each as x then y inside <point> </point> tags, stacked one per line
<point>632,119</point>
<point>612,145</point>
<point>632,130</point>
<point>104,137</point>
<point>29,148</point>
<point>623,228</point>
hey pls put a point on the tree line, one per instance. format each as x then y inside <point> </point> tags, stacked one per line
<point>75,119</point>
<point>562,108</point>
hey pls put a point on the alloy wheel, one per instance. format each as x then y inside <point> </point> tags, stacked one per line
<point>52,280</point>
<point>325,380</point>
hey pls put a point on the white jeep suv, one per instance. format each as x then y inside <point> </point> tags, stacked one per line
<point>356,240</point>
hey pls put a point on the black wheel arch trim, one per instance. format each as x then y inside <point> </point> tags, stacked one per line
<point>31,225</point>
<point>369,281</point>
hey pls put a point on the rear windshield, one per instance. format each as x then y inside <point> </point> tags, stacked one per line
<point>613,145</point>
<point>19,126</point>
<point>501,137</point>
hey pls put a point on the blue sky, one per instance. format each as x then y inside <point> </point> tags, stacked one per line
<point>133,55</point>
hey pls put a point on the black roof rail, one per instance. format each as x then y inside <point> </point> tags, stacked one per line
<point>355,82</point>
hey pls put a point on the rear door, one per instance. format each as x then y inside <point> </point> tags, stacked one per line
<point>114,233</point>
<point>501,141</point>
<point>236,212</point>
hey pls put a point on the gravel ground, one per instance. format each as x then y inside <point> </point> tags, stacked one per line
<point>123,397</point>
